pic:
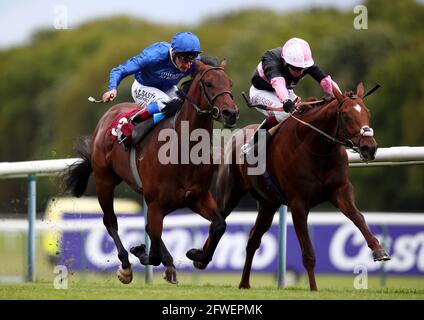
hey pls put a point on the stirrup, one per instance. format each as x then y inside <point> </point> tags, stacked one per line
<point>247,147</point>
<point>123,141</point>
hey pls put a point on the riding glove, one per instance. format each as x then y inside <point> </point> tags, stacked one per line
<point>288,106</point>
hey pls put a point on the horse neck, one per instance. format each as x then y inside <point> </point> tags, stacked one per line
<point>324,119</point>
<point>188,113</point>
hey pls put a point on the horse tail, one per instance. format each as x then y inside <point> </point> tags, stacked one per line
<point>77,174</point>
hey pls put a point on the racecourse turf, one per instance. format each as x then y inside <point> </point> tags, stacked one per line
<point>215,287</point>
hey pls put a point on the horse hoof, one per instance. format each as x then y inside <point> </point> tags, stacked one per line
<point>195,254</point>
<point>244,285</point>
<point>380,255</point>
<point>170,275</point>
<point>139,250</point>
<point>199,265</point>
<point>124,275</point>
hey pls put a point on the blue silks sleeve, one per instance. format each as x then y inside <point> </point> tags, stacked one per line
<point>131,66</point>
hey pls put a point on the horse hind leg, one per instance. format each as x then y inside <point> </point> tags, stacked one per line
<point>105,186</point>
<point>262,224</point>
<point>300,222</point>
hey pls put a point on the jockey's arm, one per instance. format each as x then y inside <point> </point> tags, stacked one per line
<point>271,64</point>
<point>324,80</point>
<point>117,74</point>
<point>131,66</point>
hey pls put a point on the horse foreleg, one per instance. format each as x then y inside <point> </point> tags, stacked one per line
<point>344,200</point>
<point>155,227</point>
<point>229,193</point>
<point>300,222</point>
<point>207,208</point>
<point>262,224</point>
<point>104,188</point>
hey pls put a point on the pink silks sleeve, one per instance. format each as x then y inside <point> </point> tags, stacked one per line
<point>327,85</point>
<point>279,85</point>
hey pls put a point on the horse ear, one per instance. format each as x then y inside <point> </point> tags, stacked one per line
<point>200,65</point>
<point>339,96</point>
<point>360,90</point>
<point>223,64</point>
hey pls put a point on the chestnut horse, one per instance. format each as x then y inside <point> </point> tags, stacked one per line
<point>166,187</point>
<point>307,167</point>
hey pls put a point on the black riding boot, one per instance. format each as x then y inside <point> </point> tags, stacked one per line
<point>141,130</point>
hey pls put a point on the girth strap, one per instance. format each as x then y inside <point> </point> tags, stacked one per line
<point>133,167</point>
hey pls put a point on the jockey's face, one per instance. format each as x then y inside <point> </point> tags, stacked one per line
<point>183,62</point>
<point>295,71</point>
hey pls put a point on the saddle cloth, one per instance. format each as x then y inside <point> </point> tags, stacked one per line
<point>122,124</point>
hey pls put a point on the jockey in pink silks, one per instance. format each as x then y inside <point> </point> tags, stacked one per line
<point>276,75</point>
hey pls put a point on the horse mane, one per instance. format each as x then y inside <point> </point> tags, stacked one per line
<point>307,108</point>
<point>175,104</point>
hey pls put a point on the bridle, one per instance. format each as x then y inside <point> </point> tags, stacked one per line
<point>365,131</point>
<point>211,110</point>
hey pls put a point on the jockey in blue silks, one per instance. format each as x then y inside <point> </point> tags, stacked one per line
<point>157,70</point>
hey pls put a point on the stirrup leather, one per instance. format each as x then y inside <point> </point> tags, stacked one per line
<point>123,141</point>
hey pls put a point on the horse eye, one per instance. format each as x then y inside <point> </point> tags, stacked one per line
<point>208,84</point>
<point>347,118</point>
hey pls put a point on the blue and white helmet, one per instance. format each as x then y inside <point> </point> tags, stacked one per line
<point>185,42</point>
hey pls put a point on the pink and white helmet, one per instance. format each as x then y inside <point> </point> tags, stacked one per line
<point>297,52</point>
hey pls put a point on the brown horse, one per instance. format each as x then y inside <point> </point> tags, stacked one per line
<point>306,168</point>
<point>166,187</point>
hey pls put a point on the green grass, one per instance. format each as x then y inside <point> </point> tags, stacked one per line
<point>196,285</point>
<point>215,287</point>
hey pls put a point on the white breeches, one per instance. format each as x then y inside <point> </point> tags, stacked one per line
<point>144,95</point>
<point>269,98</point>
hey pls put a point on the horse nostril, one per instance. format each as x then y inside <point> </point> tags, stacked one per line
<point>364,149</point>
<point>230,114</point>
<point>368,152</point>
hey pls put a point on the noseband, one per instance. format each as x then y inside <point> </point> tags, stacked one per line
<point>365,131</point>
<point>212,110</point>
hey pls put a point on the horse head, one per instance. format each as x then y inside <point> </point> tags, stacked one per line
<point>353,120</point>
<point>216,98</point>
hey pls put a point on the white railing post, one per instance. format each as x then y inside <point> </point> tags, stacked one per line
<point>282,247</point>
<point>32,210</point>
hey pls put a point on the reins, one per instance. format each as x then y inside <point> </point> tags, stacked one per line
<point>347,143</point>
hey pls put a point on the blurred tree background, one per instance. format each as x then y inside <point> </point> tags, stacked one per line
<point>44,85</point>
